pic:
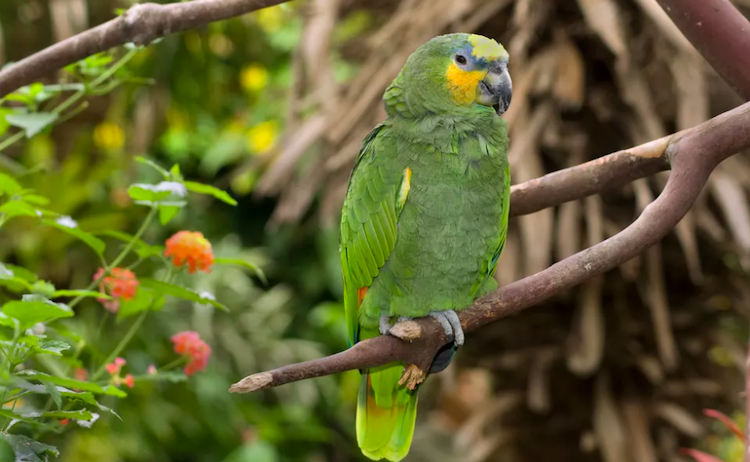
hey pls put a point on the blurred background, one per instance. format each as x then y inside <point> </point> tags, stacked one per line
<point>272,106</point>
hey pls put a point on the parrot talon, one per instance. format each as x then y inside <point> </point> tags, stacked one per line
<point>385,324</point>
<point>450,323</point>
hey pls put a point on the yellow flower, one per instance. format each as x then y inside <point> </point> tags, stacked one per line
<point>108,135</point>
<point>270,19</point>
<point>253,77</point>
<point>262,137</point>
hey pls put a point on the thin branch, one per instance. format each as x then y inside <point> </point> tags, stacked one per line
<point>720,33</point>
<point>141,24</point>
<point>693,154</point>
<point>577,182</point>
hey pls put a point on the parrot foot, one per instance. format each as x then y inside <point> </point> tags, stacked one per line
<point>451,325</point>
<point>385,324</point>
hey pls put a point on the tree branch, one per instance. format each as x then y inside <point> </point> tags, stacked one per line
<point>141,24</point>
<point>720,33</point>
<point>693,154</point>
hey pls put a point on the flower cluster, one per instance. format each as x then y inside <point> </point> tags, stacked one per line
<point>190,345</point>
<point>114,369</point>
<point>191,248</point>
<point>121,284</point>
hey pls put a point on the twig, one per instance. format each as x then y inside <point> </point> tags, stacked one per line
<point>141,24</point>
<point>692,154</point>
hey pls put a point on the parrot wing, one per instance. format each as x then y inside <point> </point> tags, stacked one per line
<point>376,194</point>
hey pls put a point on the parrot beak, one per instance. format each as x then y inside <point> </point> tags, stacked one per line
<point>496,89</point>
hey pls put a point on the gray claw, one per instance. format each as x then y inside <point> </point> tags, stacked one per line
<point>385,324</point>
<point>451,325</point>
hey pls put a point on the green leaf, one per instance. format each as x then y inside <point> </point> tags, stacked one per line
<point>8,185</point>
<point>6,273</point>
<point>29,450</point>
<point>53,392</point>
<point>175,172</point>
<point>154,165</point>
<point>246,264</point>
<point>18,209</point>
<point>80,293</point>
<point>43,288</point>
<point>7,321</point>
<point>32,312</point>
<point>32,123</point>
<point>141,192</point>
<point>16,284</point>
<point>94,242</point>
<point>179,292</point>
<point>52,347</point>
<point>167,213</point>
<point>35,199</point>
<point>208,189</point>
<point>4,125</point>
<point>135,305</point>
<point>80,414</point>
<point>72,383</point>
<point>21,272</point>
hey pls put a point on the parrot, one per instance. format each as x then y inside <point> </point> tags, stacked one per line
<point>425,216</point>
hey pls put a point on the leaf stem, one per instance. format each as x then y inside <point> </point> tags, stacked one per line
<point>123,343</point>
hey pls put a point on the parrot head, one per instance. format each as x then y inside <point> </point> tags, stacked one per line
<point>455,73</point>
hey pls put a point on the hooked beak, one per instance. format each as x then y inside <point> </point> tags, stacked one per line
<point>496,89</point>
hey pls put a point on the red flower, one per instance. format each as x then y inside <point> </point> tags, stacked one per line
<point>191,248</point>
<point>189,344</point>
<point>64,421</point>
<point>121,284</point>
<point>129,381</point>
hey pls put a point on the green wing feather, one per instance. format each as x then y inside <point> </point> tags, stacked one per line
<point>377,192</point>
<point>368,221</point>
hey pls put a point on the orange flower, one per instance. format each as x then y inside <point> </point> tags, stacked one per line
<point>189,344</point>
<point>121,284</point>
<point>191,248</point>
<point>81,374</point>
<point>129,381</point>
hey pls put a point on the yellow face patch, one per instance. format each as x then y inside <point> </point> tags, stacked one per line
<point>486,48</point>
<point>463,84</point>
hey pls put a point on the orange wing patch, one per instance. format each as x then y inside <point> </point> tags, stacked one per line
<point>361,292</point>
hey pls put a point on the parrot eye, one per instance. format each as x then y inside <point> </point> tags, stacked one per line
<point>461,59</point>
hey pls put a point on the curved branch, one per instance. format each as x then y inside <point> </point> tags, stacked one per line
<point>141,24</point>
<point>720,33</point>
<point>693,154</point>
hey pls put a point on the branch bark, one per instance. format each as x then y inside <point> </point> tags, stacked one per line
<point>693,154</point>
<point>140,24</point>
<point>720,33</point>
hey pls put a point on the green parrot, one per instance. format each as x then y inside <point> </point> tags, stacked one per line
<point>425,216</point>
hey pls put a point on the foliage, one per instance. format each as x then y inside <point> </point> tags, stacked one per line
<point>44,389</point>
<point>101,193</point>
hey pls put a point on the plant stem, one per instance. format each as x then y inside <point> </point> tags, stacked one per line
<point>112,69</point>
<point>123,343</point>
<point>121,256</point>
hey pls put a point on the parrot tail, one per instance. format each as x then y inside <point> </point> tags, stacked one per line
<point>386,413</point>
